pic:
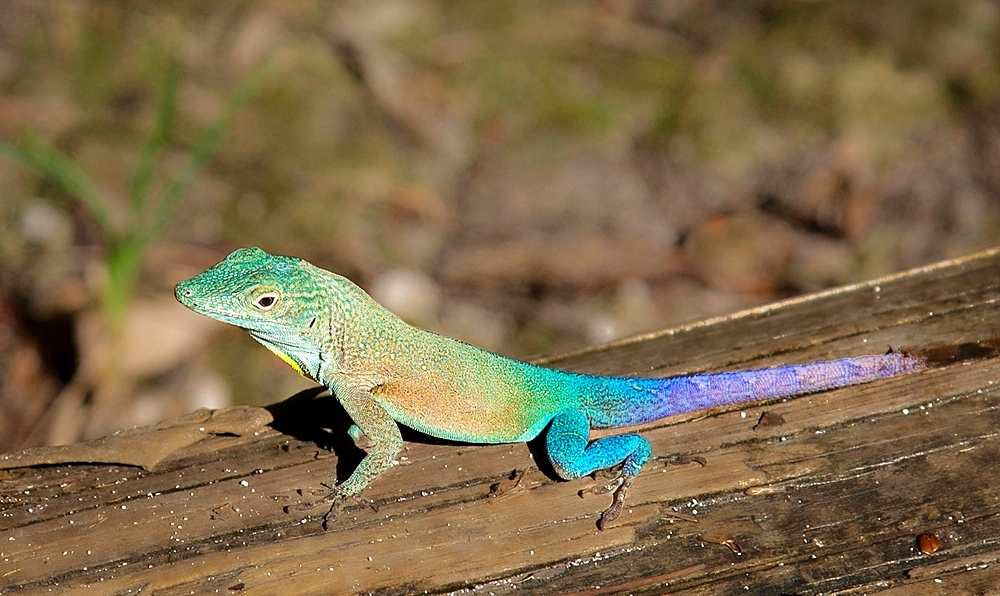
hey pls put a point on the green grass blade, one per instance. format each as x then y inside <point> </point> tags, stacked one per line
<point>38,154</point>
<point>204,150</point>
<point>152,148</point>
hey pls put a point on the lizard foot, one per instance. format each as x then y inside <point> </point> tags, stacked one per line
<point>336,507</point>
<point>308,504</point>
<point>602,489</point>
<point>611,513</point>
<point>613,477</point>
<point>682,460</point>
<point>337,503</point>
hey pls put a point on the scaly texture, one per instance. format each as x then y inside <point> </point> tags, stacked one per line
<point>385,371</point>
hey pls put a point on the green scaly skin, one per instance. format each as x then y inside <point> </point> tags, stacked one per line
<point>385,371</point>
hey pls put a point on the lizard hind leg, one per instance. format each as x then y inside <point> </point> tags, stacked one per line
<point>566,442</point>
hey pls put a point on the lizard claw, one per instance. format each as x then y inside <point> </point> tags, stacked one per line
<point>602,489</point>
<point>336,507</point>
<point>611,513</point>
<point>309,505</point>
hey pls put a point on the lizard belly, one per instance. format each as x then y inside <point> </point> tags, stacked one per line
<point>466,408</point>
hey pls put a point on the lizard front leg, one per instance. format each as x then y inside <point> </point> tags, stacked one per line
<point>376,424</point>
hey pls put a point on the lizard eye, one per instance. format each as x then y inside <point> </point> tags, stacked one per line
<point>266,301</point>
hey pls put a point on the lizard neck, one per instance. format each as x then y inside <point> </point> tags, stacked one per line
<point>360,335</point>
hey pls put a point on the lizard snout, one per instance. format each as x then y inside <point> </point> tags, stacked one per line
<point>184,293</point>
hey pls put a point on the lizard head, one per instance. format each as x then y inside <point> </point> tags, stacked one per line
<point>272,297</point>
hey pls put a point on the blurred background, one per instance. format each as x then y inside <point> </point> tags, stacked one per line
<point>528,176</point>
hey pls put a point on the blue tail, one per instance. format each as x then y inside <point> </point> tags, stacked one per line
<point>622,401</point>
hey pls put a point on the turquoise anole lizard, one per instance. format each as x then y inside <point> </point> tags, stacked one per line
<point>385,371</point>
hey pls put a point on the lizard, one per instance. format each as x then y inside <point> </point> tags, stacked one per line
<point>386,372</point>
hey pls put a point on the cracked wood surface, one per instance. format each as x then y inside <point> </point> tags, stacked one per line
<point>829,497</point>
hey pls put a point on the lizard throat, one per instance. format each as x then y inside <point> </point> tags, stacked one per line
<point>296,364</point>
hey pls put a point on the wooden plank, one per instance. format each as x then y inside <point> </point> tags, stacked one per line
<point>831,501</point>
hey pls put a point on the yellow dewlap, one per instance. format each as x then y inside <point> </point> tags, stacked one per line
<point>288,359</point>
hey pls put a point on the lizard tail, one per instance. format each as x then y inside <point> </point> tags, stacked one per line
<point>627,401</point>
